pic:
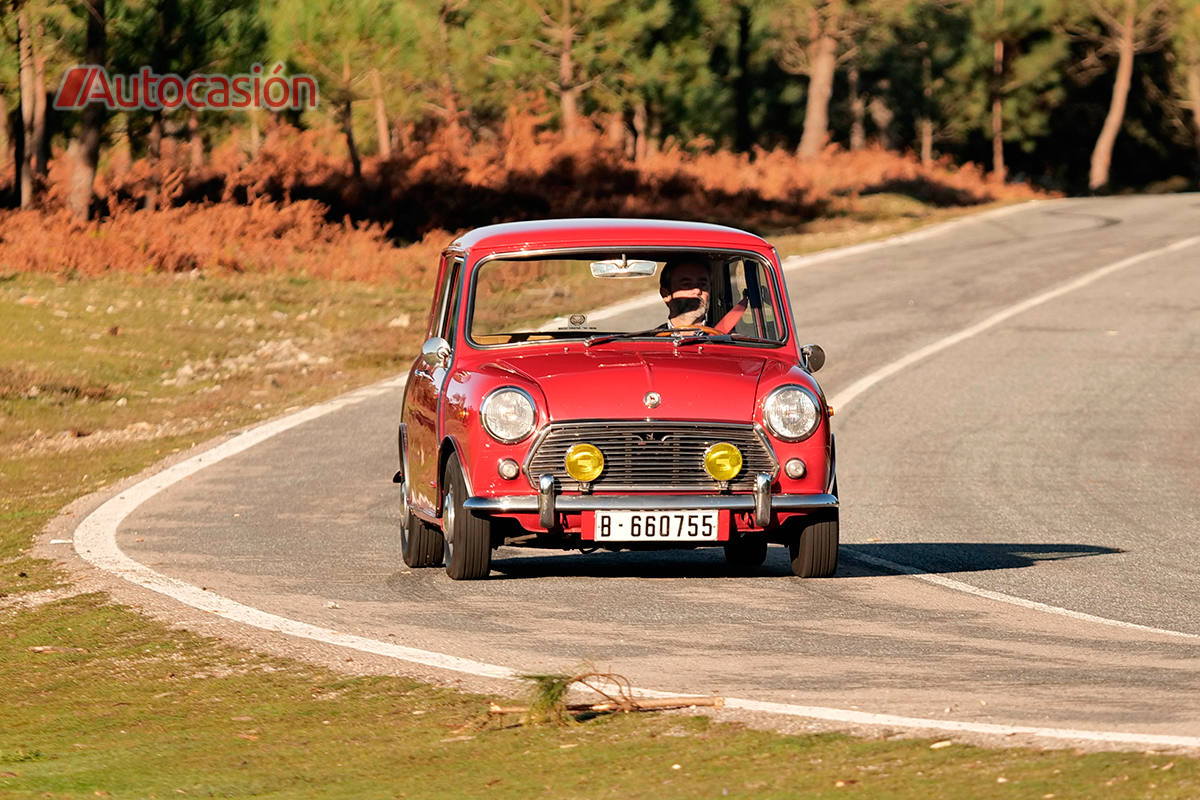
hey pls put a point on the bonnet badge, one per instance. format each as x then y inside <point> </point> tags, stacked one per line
<point>652,399</point>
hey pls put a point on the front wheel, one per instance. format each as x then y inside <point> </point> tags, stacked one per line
<point>468,538</point>
<point>814,550</point>
<point>420,542</point>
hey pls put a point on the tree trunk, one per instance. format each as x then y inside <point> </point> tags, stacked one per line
<point>999,170</point>
<point>41,142</point>
<point>28,103</point>
<point>347,118</point>
<point>568,92</point>
<point>1193,90</point>
<point>615,133</point>
<point>154,150</point>
<point>195,140</point>
<point>742,86</point>
<point>1102,153</point>
<point>822,59</point>
<point>83,177</point>
<point>5,143</point>
<point>858,112</point>
<point>449,93</point>
<point>882,117</point>
<point>925,123</point>
<point>641,131</point>
<point>383,131</point>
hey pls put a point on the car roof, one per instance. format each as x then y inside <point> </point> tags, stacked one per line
<point>555,233</point>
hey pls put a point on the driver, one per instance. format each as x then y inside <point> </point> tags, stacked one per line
<point>684,286</point>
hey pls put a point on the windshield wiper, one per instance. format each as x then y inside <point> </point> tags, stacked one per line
<point>601,338</point>
<point>721,338</point>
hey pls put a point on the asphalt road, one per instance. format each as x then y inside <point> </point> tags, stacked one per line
<point>1050,458</point>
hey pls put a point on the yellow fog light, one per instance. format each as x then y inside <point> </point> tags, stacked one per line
<point>723,461</point>
<point>585,462</point>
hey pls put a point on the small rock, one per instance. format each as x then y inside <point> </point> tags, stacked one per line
<point>29,300</point>
<point>400,321</point>
<point>122,403</point>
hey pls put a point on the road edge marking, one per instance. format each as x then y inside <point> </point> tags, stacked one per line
<point>851,392</point>
<point>846,396</point>
<point>94,540</point>
<point>1000,597</point>
<point>800,261</point>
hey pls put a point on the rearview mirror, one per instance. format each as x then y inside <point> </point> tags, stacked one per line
<point>623,268</point>
<point>812,357</point>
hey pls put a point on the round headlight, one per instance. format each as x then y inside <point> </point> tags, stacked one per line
<point>508,414</point>
<point>791,413</point>
<point>585,462</point>
<point>723,461</point>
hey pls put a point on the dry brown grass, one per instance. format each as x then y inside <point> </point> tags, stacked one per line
<point>294,208</point>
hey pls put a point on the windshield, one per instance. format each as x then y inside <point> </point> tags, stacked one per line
<point>600,296</point>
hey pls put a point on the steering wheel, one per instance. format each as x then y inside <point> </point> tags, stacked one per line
<point>693,328</point>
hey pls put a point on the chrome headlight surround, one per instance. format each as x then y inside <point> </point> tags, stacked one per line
<point>508,414</point>
<point>792,413</point>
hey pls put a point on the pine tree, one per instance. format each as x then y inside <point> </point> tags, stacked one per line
<point>1123,28</point>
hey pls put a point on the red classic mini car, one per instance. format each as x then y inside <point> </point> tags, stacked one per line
<point>615,384</point>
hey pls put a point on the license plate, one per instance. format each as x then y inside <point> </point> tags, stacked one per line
<point>657,526</point>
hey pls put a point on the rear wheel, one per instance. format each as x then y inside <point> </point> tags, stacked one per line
<point>420,542</point>
<point>468,538</point>
<point>814,550</point>
<point>746,553</point>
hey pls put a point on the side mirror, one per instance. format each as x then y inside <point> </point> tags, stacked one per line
<point>812,357</point>
<point>436,352</point>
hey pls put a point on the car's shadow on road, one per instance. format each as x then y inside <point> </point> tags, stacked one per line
<point>855,560</point>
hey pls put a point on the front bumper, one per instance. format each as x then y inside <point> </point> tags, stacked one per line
<point>547,503</point>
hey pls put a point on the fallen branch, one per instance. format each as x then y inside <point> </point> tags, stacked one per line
<point>625,705</point>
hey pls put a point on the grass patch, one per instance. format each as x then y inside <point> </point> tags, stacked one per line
<point>100,701</point>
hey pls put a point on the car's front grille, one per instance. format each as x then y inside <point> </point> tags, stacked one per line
<point>650,456</point>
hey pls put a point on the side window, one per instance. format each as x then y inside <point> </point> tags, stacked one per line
<point>448,317</point>
<point>760,318</point>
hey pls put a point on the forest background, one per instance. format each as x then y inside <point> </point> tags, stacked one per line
<point>439,115</point>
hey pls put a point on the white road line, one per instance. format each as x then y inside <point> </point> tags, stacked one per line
<point>847,395</point>
<point>1000,597</point>
<point>856,389</point>
<point>95,540</point>
<point>812,259</point>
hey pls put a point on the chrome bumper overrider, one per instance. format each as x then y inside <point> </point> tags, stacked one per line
<point>547,504</point>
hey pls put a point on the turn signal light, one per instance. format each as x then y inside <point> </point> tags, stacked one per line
<point>723,461</point>
<point>584,462</point>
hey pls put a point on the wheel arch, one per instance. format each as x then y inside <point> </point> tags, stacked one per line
<point>450,446</point>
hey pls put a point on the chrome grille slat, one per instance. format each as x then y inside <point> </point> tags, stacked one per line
<point>654,456</point>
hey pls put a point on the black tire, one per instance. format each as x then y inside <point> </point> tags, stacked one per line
<point>746,554</point>
<point>814,550</point>
<point>468,538</point>
<point>420,543</point>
